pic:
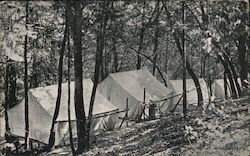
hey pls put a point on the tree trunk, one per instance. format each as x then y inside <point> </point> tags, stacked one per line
<point>138,66</point>
<point>26,105</point>
<point>166,55</point>
<point>156,36</point>
<point>12,90</point>
<point>242,40</point>
<point>6,102</point>
<point>79,103</point>
<point>69,79</point>
<point>242,59</point>
<point>225,85</point>
<point>115,56</point>
<point>141,35</point>
<point>234,74</point>
<point>59,89</point>
<point>99,52</point>
<point>184,85</point>
<point>229,76</point>
<point>190,71</point>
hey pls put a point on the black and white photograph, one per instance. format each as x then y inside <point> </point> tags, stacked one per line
<point>125,78</point>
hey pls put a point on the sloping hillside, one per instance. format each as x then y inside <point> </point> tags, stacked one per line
<point>223,129</point>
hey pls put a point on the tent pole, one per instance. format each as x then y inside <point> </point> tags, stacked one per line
<point>126,112</point>
<point>144,97</point>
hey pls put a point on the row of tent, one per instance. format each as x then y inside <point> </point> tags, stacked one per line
<point>138,87</point>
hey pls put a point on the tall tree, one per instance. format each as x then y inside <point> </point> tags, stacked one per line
<point>156,35</point>
<point>141,36</point>
<point>79,103</point>
<point>184,63</point>
<point>26,105</point>
<point>242,42</point>
<point>103,19</point>
<point>69,97</point>
<point>59,89</point>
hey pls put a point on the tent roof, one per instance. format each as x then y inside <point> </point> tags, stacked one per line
<point>47,96</point>
<point>135,81</point>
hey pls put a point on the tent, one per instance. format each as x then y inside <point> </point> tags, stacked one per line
<point>117,87</point>
<point>42,102</point>
<point>218,88</point>
<point>192,97</point>
<point>2,123</point>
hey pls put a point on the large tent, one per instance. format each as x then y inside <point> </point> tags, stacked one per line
<point>130,85</point>
<point>218,88</point>
<point>192,97</point>
<point>42,102</point>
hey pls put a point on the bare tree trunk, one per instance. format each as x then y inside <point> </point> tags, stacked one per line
<point>189,69</point>
<point>12,90</point>
<point>229,76</point>
<point>138,66</point>
<point>99,52</point>
<point>225,85</point>
<point>156,35</point>
<point>242,59</point>
<point>115,56</point>
<point>79,103</point>
<point>59,89</point>
<point>242,40</point>
<point>26,105</point>
<point>69,98</point>
<point>191,72</point>
<point>166,55</point>
<point>6,102</point>
<point>184,85</point>
<point>141,35</point>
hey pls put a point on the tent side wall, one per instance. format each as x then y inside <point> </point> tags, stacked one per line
<point>117,96</point>
<point>101,124</point>
<point>39,120</point>
<point>192,97</point>
<point>2,125</point>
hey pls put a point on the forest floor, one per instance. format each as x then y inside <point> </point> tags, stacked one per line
<point>223,129</point>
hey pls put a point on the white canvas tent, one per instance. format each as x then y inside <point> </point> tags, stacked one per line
<point>218,88</point>
<point>2,123</point>
<point>118,87</point>
<point>192,97</point>
<point>42,102</point>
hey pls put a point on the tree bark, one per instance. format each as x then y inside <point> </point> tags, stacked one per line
<point>79,103</point>
<point>59,89</point>
<point>184,85</point>
<point>242,59</point>
<point>115,56</point>
<point>141,35</point>
<point>99,52</point>
<point>12,90</point>
<point>190,71</point>
<point>6,102</point>
<point>156,35</point>
<point>229,76</point>
<point>26,105</point>
<point>69,97</point>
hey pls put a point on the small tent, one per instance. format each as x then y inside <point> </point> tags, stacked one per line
<point>218,88</point>
<point>42,102</point>
<point>192,97</point>
<point>117,87</point>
